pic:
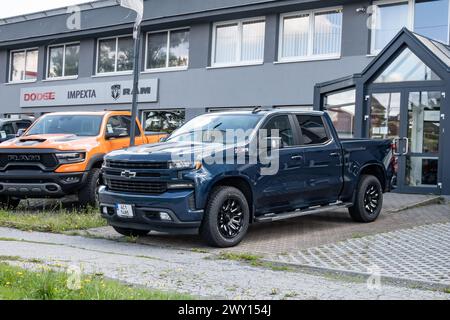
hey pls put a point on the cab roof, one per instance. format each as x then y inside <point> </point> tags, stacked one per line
<point>89,113</point>
<point>268,112</point>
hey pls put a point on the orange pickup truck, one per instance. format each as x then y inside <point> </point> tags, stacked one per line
<point>62,153</point>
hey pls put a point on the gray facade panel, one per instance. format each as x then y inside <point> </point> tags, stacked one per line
<point>199,45</point>
<point>262,85</point>
<point>355,35</point>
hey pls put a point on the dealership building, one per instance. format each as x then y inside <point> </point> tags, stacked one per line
<point>380,68</point>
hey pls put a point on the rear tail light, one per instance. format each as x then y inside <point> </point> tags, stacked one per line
<point>394,159</point>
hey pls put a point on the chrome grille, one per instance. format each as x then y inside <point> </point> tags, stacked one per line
<point>136,165</point>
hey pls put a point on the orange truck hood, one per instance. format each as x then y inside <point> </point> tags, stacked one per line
<point>63,142</point>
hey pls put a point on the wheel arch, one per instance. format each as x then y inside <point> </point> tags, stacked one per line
<point>95,161</point>
<point>376,170</point>
<point>240,183</point>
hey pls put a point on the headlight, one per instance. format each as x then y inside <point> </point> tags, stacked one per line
<point>183,165</point>
<point>71,157</point>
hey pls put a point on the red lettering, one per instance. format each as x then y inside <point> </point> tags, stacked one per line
<point>39,96</point>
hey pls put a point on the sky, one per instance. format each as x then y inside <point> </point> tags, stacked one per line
<point>13,8</point>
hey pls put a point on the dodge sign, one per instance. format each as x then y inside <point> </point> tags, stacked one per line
<point>86,94</point>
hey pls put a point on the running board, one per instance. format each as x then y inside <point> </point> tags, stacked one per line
<point>300,213</point>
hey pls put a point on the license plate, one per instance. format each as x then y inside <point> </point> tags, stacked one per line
<point>124,210</point>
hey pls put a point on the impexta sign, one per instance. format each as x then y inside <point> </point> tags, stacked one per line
<point>89,94</point>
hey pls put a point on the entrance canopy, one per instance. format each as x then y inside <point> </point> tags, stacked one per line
<point>400,95</point>
<point>408,60</point>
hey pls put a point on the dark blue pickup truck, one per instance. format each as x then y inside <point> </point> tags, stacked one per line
<point>194,183</point>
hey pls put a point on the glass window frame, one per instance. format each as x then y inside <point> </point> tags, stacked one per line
<point>138,132</point>
<point>296,134</point>
<point>325,126</point>
<point>382,77</point>
<point>64,45</point>
<point>310,50</point>
<point>409,24</point>
<point>25,51</point>
<point>326,107</point>
<point>167,67</point>
<point>115,72</point>
<point>238,61</point>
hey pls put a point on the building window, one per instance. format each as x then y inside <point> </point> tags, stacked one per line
<point>23,65</point>
<point>115,55</point>
<point>168,49</point>
<point>166,121</point>
<point>309,35</point>
<point>63,60</point>
<point>340,106</point>
<point>426,17</point>
<point>239,42</point>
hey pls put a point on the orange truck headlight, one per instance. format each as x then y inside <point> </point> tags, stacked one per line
<point>71,157</point>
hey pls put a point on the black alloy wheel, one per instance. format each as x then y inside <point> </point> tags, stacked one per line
<point>372,199</point>
<point>230,218</point>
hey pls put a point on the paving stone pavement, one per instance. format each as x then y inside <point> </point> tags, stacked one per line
<point>301,233</point>
<point>420,254</point>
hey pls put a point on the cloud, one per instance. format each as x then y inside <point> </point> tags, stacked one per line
<point>19,7</point>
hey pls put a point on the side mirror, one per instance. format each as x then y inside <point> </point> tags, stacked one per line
<point>20,132</point>
<point>3,135</point>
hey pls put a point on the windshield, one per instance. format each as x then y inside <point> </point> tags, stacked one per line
<point>219,128</point>
<point>83,126</point>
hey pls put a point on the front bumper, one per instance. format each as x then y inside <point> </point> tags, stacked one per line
<point>38,184</point>
<point>178,204</point>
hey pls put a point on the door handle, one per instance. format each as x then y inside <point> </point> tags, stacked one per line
<point>297,157</point>
<point>334,154</point>
<point>397,151</point>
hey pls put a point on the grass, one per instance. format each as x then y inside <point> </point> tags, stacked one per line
<point>54,222</point>
<point>19,259</point>
<point>19,284</point>
<point>253,260</point>
<point>246,257</point>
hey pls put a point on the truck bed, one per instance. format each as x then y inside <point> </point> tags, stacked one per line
<point>366,151</point>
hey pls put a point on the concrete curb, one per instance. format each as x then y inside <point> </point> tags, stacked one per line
<point>424,203</point>
<point>404,282</point>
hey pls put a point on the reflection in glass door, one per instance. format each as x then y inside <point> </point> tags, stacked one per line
<point>422,156</point>
<point>385,115</point>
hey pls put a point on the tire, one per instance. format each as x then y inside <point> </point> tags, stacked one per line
<point>222,227</point>
<point>131,232</point>
<point>88,196</point>
<point>9,203</point>
<point>368,200</point>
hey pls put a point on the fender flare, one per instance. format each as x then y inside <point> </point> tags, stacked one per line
<point>94,160</point>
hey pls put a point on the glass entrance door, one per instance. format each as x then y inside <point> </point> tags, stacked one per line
<point>413,120</point>
<point>421,159</point>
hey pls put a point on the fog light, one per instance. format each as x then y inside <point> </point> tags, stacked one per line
<point>71,179</point>
<point>165,216</point>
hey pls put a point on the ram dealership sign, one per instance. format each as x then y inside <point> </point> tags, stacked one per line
<point>87,94</point>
